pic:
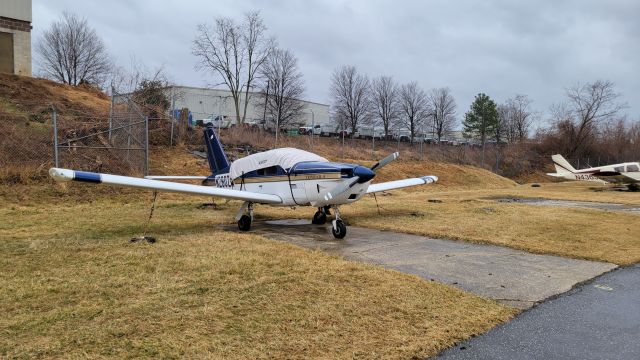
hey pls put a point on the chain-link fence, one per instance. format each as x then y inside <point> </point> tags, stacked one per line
<point>116,144</point>
<point>61,135</point>
<point>26,145</point>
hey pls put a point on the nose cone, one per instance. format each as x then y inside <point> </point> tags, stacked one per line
<point>364,173</point>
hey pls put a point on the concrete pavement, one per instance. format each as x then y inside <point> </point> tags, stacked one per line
<point>513,277</point>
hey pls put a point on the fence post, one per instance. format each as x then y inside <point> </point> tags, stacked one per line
<point>146,146</point>
<point>55,137</point>
<point>111,113</point>
<point>373,142</point>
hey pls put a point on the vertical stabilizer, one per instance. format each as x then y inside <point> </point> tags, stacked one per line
<point>562,165</point>
<point>218,162</point>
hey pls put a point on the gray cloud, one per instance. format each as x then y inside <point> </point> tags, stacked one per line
<point>501,48</point>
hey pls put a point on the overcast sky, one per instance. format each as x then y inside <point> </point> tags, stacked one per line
<point>501,48</point>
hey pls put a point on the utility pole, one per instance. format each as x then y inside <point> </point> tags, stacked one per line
<point>266,101</point>
<point>313,126</point>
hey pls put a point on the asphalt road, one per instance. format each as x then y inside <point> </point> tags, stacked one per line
<point>513,277</point>
<point>597,320</point>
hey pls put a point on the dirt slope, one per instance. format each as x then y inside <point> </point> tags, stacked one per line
<point>29,97</point>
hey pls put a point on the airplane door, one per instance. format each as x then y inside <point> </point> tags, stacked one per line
<point>314,188</point>
<point>299,192</point>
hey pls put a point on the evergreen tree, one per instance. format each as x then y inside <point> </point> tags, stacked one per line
<point>481,121</point>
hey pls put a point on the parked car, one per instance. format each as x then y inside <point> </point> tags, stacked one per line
<point>370,133</point>
<point>308,130</point>
<point>221,121</point>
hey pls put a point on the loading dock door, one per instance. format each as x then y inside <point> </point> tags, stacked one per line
<point>6,52</point>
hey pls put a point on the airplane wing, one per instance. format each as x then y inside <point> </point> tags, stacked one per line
<point>630,177</point>
<point>397,184</point>
<point>170,177</point>
<point>68,175</point>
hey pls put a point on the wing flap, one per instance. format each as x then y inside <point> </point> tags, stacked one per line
<point>398,184</point>
<point>171,177</point>
<point>68,175</point>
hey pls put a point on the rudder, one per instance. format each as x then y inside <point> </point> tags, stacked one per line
<point>561,164</point>
<point>218,162</point>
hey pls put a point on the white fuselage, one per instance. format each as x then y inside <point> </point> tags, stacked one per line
<point>617,173</point>
<point>305,190</point>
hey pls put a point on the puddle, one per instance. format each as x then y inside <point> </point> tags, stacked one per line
<point>573,204</point>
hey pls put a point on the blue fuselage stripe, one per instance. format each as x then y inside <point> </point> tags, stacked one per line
<point>87,177</point>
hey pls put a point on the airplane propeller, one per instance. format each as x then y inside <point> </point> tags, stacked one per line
<point>362,174</point>
<point>385,161</point>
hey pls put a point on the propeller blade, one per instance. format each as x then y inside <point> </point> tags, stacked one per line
<point>340,188</point>
<point>385,161</point>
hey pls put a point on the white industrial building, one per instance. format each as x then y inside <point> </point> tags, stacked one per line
<point>206,103</point>
<point>15,37</point>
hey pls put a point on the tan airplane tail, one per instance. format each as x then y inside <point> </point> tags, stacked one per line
<point>562,165</point>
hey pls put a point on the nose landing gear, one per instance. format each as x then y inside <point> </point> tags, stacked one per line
<point>338,228</point>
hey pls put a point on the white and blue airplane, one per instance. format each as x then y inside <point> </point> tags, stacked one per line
<point>279,177</point>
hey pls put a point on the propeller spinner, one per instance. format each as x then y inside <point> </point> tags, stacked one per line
<point>361,175</point>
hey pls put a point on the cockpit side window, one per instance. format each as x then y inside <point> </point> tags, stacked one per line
<point>270,171</point>
<point>632,168</point>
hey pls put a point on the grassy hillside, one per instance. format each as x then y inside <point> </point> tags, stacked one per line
<point>26,149</point>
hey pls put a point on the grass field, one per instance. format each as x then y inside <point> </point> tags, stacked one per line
<point>71,286</point>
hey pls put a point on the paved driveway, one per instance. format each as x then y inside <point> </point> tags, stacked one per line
<point>513,277</point>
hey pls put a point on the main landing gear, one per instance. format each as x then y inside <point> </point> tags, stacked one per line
<point>320,217</point>
<point>244,220</point>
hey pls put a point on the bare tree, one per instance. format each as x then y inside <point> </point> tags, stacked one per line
<point>505,129</point>
<point>588,106</point>
<point>283,89</point>
<point>258,47</point>
<point>235,53</point>
<point>519,118</point>
<point>71,52</point>
<point>350,97</point>
<point>414,106</point>
<point>443,111</point>
<point>384,99</point>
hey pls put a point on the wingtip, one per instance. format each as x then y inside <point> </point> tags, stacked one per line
<point>61,174</point>
<point>430,179</point>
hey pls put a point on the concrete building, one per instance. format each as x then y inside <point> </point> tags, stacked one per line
<point>207,103</point>
<point>15,37</point>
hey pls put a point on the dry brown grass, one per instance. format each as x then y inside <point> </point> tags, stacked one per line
<point>72,286</point>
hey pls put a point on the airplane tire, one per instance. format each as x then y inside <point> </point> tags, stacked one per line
<point>319,218</point>
<point>244,224</point>
<point>340,231</point>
